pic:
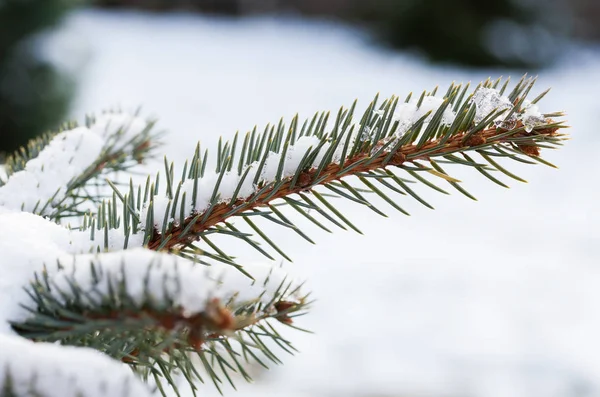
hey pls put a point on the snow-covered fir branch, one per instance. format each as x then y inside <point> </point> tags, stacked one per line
<point>57,173</point>
<point>140,277</point>
<point>123,289</point>
<point>418,135</point>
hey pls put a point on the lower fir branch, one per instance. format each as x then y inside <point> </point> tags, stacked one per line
<point>138,305</point>
<point>147,338</point>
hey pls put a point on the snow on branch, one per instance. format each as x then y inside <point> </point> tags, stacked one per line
<point>44,179</point>
<point>49,178</point>
<point>168,280</point>
<point>27,242</point>
<point>407,114</point>
<point>43,369</point>
<point>490,100</point>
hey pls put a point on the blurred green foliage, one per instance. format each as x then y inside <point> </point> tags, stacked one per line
<point>458,31</point>
<point>229,7</point>
<point>34,96</point>
<point>445,30</point>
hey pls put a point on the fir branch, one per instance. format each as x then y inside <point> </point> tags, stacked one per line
<point>362,163</point>
<point>123,151</point>
<point>123,141</point>
<point>156,331</point>
<point>371,151</point>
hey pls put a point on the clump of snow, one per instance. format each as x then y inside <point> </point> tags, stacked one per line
<point>204,193</point>
<point>531,115</point>
<point>64,371</point>
<point>299,149</point>
<point>293,157</point>
<point>207,185</point>
<point>488,100</point>
<point>27,241</point>
<point>64,158</point>
<point>407,114</point>
<point>231,180</point>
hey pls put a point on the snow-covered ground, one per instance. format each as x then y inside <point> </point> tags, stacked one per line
<point>495,298</point>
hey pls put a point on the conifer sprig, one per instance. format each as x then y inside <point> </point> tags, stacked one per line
<point>177,318</point>
<point>126,145</point>
<point>156,335</point>
<point>377,156</point>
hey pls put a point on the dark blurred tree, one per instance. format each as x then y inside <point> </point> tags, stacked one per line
<point>471,32</point>
<point>33,95</point>
<point>230,7</point>
<point>587,15</point>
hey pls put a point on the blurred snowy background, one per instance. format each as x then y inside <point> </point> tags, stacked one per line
<point>495,298</point>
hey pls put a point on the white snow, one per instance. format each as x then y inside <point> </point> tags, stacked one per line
<point>84,241</point>
<point>64,371</point>
<point>531,115</point>
<point>293,157</point>
<point>488,100</point>
<point>501,298</point>
<point>65,157</point>
<point>205,190</point>
<point>407,114</point>
<point>27,242</point>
